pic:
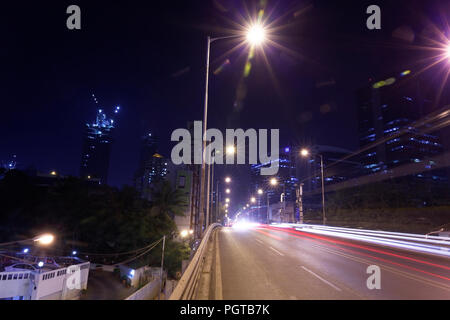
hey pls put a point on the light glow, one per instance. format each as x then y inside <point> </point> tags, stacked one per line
<point>256,34</point>
<point>304,152</point>
<point>45,239</point>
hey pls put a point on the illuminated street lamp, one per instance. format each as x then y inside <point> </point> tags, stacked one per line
<point>255,36</point>
<point>305,153</point>
<point>44,239</point>
<point>227,200</point>
<point>260,191</point>
<point>273,181</point>
<point>253,199</point>
<point>231,150</point>
<point>227,179</point>
<point>184,233</point>
<point>227,190</point>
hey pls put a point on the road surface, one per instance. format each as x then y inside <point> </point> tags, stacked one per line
<point>275,263</point>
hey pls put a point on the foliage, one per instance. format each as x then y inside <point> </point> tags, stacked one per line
<point>93,218</point>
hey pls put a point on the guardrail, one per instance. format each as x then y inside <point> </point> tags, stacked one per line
<point>408,241</point>
<point>147,292</point>
<point>186,287</point>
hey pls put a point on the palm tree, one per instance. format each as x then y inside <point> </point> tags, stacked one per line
<point>168,201</point>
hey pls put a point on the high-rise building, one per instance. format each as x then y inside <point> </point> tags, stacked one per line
<point>97,140</point>
<point>153,167</point>
<point>286,177</point>
<point>389,107</point>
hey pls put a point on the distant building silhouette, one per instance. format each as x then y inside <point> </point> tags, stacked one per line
<point>387,107</point>
<point>152,166</point>
<point>97,140</point>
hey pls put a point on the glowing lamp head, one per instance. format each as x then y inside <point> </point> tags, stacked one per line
<point>256,34</point>
<point>184,233</point>
<point>253,199</point>
<point>227,190</point>
<point>231,150</point>
<point>260,191</point>
<point>304,152</point>
<point>40,264</point>
<point>273,181</point>
<point>227,179</point>
<point>45,239</point>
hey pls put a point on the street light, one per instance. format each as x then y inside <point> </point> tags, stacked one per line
<point>227,179</point>
<point>44,239</point>
<point>253,199</point>
<point>260,191</point>
<point>231,150</point>
<point>304,153</point>
<point>255,35</point>
<point>227,190</point>
<point>227,200</point>
<point>273,181</point>
<point>184,233</point>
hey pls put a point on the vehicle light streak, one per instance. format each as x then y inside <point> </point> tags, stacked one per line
<point>268,234</point>
<point>310,237</point>
<point>307,235</point>
<point>388,242</point>
<point>414,242</point>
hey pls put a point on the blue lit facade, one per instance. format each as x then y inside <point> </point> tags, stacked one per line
<point>286,177</point>
<point>388,106</point>
<point>97,140</point>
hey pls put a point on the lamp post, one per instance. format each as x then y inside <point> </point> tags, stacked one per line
<point>255,36</point>
<point>44,239</point>
<point>305,153</point>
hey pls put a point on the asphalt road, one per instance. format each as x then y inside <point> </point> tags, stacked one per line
<point>104,285</point>
<point>279,264</point>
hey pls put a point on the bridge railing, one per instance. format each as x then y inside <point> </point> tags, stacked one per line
<point>187,285</point>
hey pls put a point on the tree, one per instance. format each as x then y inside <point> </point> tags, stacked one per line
<point>167,201</point>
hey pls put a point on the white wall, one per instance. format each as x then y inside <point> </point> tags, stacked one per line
<point>15,283</point>
<point>60,284</point>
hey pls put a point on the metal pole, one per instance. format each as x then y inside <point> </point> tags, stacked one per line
<point>162,266</point>
<point>267,212</point>
<point>300,202</point>
<point>216,211</point>
<point>208,187</point>
<point>205,117</point>
<point>323,191</point>
<point>210,207</point>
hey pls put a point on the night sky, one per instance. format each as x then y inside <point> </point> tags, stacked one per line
<point>148,57</point>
